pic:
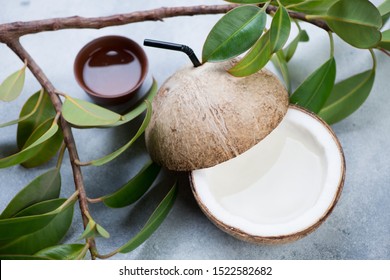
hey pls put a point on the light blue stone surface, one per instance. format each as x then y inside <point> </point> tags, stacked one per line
<point>359,227</point>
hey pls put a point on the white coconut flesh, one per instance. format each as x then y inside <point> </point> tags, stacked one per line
<point>284,186</point>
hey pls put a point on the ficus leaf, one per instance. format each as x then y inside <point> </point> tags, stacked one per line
<point>315,89</point>
<point>135,188</point>
<point>289,51</point>
<point>102,232</point>
<point>25,117</point>
<point>256,58</point>
<point>82,113</point>
<point>114,155</point>
<point>310,7</point>
<point>153,222</point>
<point>356,22</point>
<point>46,150</point>
<point>234,33</point>
<point>384,10</point>
<point>44,187</point>
<point>291,2</point>
<point>43,207</point>
<point>22,225</point>
<point>347,96</point>
<point>12,86</point>
<point>22,257</point>
<point>93,230</point>
<point>63,252</point>
<point>247,1</point>
<point>89,231</point>
<point>280,29</point>
<point>49,235</point>
<point>30,151</point>
<point>138,110</point>
<point>280,63</point>
<point>44,112</point>
<point>385,42</point>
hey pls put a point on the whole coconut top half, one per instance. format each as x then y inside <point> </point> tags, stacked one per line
<point>204,116</point>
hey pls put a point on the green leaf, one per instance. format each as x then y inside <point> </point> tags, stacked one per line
<point>135,188</point>
<point>141,107</point>
<point>280,29</point>
<point>289,51</point>
<point>21,257</point>
<point>82,113</point>
<point>255,59</point>
<point>89,230</point>
<point>247,1</point>
<point>384,10</point>
<point>385,42</point>
<point>49,235</point>
<point>280,63</point>
<point>19,226</point>
<point>44,112</point>
<point>93,230</point>
<point>234,33</point>
<point>63,252</point>
<point>347,96</point>
<point>311,7</point>
<point>102,232</point>
<point>153,222</point>
<point>290,2</point>
<point>356,22</point>
<point>315,89</point>
<point>29,152</point>
<point>46,150</point>
<point>114,155</point>
<point>44,207</point>
<point>25,117</point>
<point>12,86</point>
<point>44,187</point>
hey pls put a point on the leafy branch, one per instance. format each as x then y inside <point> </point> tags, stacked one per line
<point>11,31</point>
<point>358,23</point>
<point>47,118</point>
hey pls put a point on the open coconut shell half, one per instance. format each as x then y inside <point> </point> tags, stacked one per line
<point>281,189</point>
<point>261,170</point>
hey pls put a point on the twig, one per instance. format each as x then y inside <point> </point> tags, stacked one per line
<point>384,51</point>
<point>20,28</point>
<point>30,27</point>
<point>95,200</point>
<point>18,49</point>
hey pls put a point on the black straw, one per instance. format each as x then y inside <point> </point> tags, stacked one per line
<point>175,47</point>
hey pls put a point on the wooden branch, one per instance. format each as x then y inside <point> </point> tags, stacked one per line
<point>31,27</point>
<point>18,29</point>
<point>18,49</point>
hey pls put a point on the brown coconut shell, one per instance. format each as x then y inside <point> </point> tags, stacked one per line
<point>204,116</point>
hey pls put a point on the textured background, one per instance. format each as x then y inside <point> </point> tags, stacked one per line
<point>359,227</point>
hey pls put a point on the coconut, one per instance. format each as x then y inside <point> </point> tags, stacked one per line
<point>281,189</point>
<point>261,170</point>
<point>203,116</point>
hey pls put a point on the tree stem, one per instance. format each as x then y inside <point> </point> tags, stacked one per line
<point>20,28</point>
<point>18,49</point>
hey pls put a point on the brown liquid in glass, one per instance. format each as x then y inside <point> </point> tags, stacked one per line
<point>110,71</point>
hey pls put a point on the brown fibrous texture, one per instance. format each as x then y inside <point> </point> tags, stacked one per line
<point>204,116</point>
